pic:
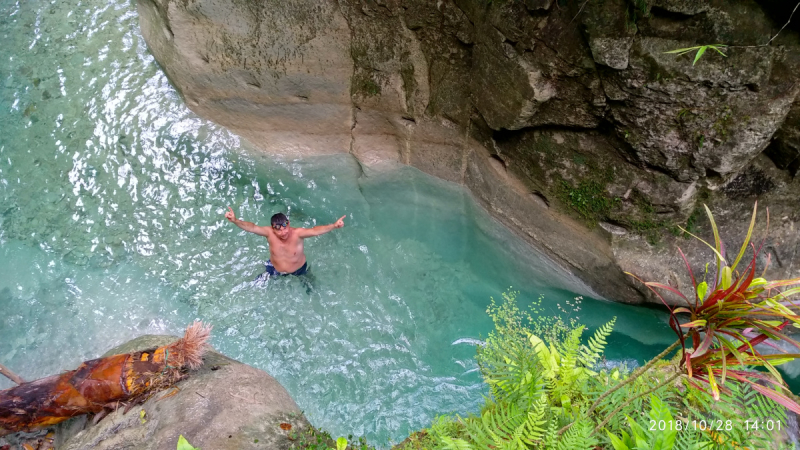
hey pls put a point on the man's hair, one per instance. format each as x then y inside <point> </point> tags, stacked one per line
<point>279,219</point>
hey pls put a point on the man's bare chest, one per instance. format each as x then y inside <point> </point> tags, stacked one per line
<point>288,247</point>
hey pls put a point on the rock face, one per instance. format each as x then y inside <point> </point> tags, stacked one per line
<point>568,121</point>
<point>224,404</point>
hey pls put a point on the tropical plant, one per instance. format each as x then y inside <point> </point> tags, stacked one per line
<point>547,391</point>
<point>701,49</point>
<point>644,438</point>
<point>183,444</point>
<point>536,386</point>
<point>728,316</point>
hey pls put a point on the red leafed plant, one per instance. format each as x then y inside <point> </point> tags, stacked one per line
<point>728,316</point>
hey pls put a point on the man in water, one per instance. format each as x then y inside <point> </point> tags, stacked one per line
<point>286,256</point>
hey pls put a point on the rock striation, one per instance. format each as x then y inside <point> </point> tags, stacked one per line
<point>568,121</point>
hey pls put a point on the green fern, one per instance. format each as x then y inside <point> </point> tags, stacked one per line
<point>543,380</point>
<point>454,444</point>
<point>578,437</point>
<point>592,352</point>
<point>551,437</point>
<point>512,371</point>
<point>506,426</point>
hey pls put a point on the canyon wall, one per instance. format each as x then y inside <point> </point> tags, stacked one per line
<point>567,120</point>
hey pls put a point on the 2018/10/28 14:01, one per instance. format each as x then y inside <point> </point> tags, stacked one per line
<point>715,425</point>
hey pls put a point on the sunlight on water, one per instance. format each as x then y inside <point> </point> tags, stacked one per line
<point>112,197</point>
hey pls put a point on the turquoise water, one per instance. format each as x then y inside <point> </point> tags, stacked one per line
<point>112,196</point>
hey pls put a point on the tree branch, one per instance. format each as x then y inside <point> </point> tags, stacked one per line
<point>773,37</point>
<point>649,391</point>
<point>784,25</point>
<point>636,374</point>
<point>10,375</point>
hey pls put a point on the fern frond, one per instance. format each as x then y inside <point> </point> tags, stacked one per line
<point>512,370</point>
<point>454,444</point>
<point>578,437</point>
<point>507,426</point>
<point>596,345</point>
<point>551,438</point>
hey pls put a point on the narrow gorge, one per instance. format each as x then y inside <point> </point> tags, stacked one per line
<point>568,121</point>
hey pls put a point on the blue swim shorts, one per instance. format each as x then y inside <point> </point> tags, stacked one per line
<point>271,270</point>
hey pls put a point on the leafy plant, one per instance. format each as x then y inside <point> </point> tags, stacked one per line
<point>312,438</point>
<point>643,438</point>
<point>589,200</point>
<point>547,391</point>
<point>728,317</point>
<point>536,384</point>
<point>183,444</point>
<point>701,49</point>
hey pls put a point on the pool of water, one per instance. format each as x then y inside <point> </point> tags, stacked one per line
<point>112,196</point>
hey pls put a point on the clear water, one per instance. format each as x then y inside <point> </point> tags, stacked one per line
<point>112,196</point>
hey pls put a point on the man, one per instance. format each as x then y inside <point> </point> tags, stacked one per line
<point>286,256</point>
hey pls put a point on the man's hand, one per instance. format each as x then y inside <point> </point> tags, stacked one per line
<point>339,223</point>
<point>230,214</point>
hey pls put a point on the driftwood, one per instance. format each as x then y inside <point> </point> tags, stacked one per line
<point>103,384</point>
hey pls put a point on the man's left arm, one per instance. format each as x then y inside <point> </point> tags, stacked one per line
<point>320,229</point>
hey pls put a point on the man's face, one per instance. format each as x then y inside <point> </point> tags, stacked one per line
<point>282,231</point>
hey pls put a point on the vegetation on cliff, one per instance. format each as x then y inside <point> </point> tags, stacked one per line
<point>551,388</point>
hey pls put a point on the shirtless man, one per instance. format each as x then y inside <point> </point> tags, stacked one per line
<point>286,256</point>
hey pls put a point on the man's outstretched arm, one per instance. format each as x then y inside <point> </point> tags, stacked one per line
<point>320,229</point>
<point>250,227</point>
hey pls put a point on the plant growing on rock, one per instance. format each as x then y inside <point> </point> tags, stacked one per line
<point>701,49</point>
<point>728,317</point>
<point>547,391</point>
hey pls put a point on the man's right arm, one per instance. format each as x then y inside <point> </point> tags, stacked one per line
<point>250,227</point>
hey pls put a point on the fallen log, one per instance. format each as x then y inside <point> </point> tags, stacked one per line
<point>101,385</point>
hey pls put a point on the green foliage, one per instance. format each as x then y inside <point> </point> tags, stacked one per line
<point>653,438</point>
<point>313,438</point>
<point>589,199</point>
<point>508,426</point>
<point>701,49</point>
<point>535,384</point>
<point>727,317</point>
<point>636,10</point>
<point>183,444</point>
<point>548,392</point>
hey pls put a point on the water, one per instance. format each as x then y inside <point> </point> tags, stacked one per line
<point>112,196</point>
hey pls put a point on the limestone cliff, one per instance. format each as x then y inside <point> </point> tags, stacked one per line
<point>566,119</point>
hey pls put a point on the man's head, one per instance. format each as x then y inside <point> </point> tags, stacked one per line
<point>280,223</point>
